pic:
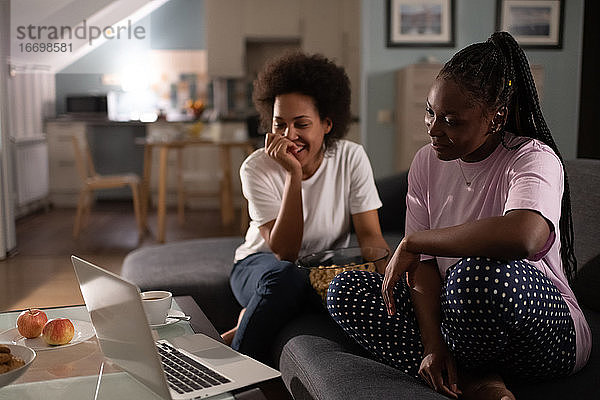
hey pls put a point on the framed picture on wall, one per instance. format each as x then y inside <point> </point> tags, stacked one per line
<point>420,23</point>
<point>533,23</point>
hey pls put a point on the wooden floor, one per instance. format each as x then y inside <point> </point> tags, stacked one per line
<point>40,274</point>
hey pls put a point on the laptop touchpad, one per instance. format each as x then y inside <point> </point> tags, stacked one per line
<point>194,343</point>
<point>219,355</point>
<point>207,348</point>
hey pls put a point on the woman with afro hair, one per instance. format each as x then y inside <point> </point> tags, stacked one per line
<point>305,190</point>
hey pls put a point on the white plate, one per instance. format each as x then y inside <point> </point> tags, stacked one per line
<point>83,331</point>
<point>170,321</point>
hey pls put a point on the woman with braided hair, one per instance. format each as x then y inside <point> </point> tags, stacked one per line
<point>488,251</point>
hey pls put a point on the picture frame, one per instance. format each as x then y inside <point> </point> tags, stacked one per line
<point>535,24</point>
<point>420,23</point>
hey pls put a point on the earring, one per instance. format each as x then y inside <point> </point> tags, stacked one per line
<point>497,123</point>
<point>499,119</point>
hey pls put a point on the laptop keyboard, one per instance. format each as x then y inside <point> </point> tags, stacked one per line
<point>185,374</point>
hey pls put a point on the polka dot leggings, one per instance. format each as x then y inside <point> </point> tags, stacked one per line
<point>505,317</point>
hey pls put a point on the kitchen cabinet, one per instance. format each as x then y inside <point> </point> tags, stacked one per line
<point>271,19</point>
<point>230,23</point>
<point>321,30</point>
<point>332,28</point>
<point>413,84</point>
<point>329,27</point>
<point>225,43</point>
<point>200,169</point>
<point>112,147</point>
<point>64,180</point>
<point>351,49</point>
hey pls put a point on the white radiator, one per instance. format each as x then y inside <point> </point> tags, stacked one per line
<point>31,90</point>
<point>31,165</point>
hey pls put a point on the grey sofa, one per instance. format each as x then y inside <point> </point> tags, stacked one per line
<point>316,359</point>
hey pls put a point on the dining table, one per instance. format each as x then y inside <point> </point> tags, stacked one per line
<point>223,146</point>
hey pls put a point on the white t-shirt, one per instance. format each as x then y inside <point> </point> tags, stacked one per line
<point>530,177</point>
<point>343,185</point>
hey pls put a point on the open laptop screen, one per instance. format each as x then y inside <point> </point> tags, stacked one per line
<point>121,325</point>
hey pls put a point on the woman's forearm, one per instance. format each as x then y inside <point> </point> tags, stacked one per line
<point>519,234</point>
<point>285,238</point>
<point>368,232</point>
<point>425,286</point>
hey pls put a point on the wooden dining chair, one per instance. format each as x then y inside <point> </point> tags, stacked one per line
<point>92,181</point>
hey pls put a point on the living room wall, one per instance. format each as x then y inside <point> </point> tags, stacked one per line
<point>474,22</point>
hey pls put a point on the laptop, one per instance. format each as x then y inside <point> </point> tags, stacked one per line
<point>125,337</point>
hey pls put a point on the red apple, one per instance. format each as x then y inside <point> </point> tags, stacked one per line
<point>31,322</point>
<point>58,331</point>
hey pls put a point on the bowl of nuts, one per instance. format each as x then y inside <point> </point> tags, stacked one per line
<point>14,361</point>
<point>325,265</point>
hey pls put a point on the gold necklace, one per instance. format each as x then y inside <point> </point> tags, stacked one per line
<point>467,182</point>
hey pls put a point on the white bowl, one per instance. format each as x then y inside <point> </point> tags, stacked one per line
<point>24,353</point>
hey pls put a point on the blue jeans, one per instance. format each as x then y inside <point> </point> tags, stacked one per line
<point>273,292</point>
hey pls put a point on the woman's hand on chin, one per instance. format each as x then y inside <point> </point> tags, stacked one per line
<point>282,150</point>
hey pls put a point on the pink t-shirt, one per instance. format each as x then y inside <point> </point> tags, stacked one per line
<point>530,177</point>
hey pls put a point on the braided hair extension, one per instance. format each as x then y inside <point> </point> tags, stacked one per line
<point>496,74</point>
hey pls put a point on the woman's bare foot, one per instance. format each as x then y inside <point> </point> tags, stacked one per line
<point>486,387</point>
<point>230,334</point>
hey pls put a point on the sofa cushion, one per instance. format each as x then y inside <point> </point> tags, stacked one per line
<point>582,385</point>
<point>584,183</point>
<point>318,361</point>
<point>587,285</point>
<point>392,192</point>
<point>199,268</point>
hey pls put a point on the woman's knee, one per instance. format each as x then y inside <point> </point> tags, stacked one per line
<point>349,283</point>
<point>481,273</point>
<point>350,288</point>
<point>340,289</point>
<point>283,279</point>
<point>480,285</point>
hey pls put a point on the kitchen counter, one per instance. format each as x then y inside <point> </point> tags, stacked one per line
<point>115,148</point>
<point>93,120</point>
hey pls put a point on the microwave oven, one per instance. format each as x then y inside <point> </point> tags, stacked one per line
<point>87,104</point>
